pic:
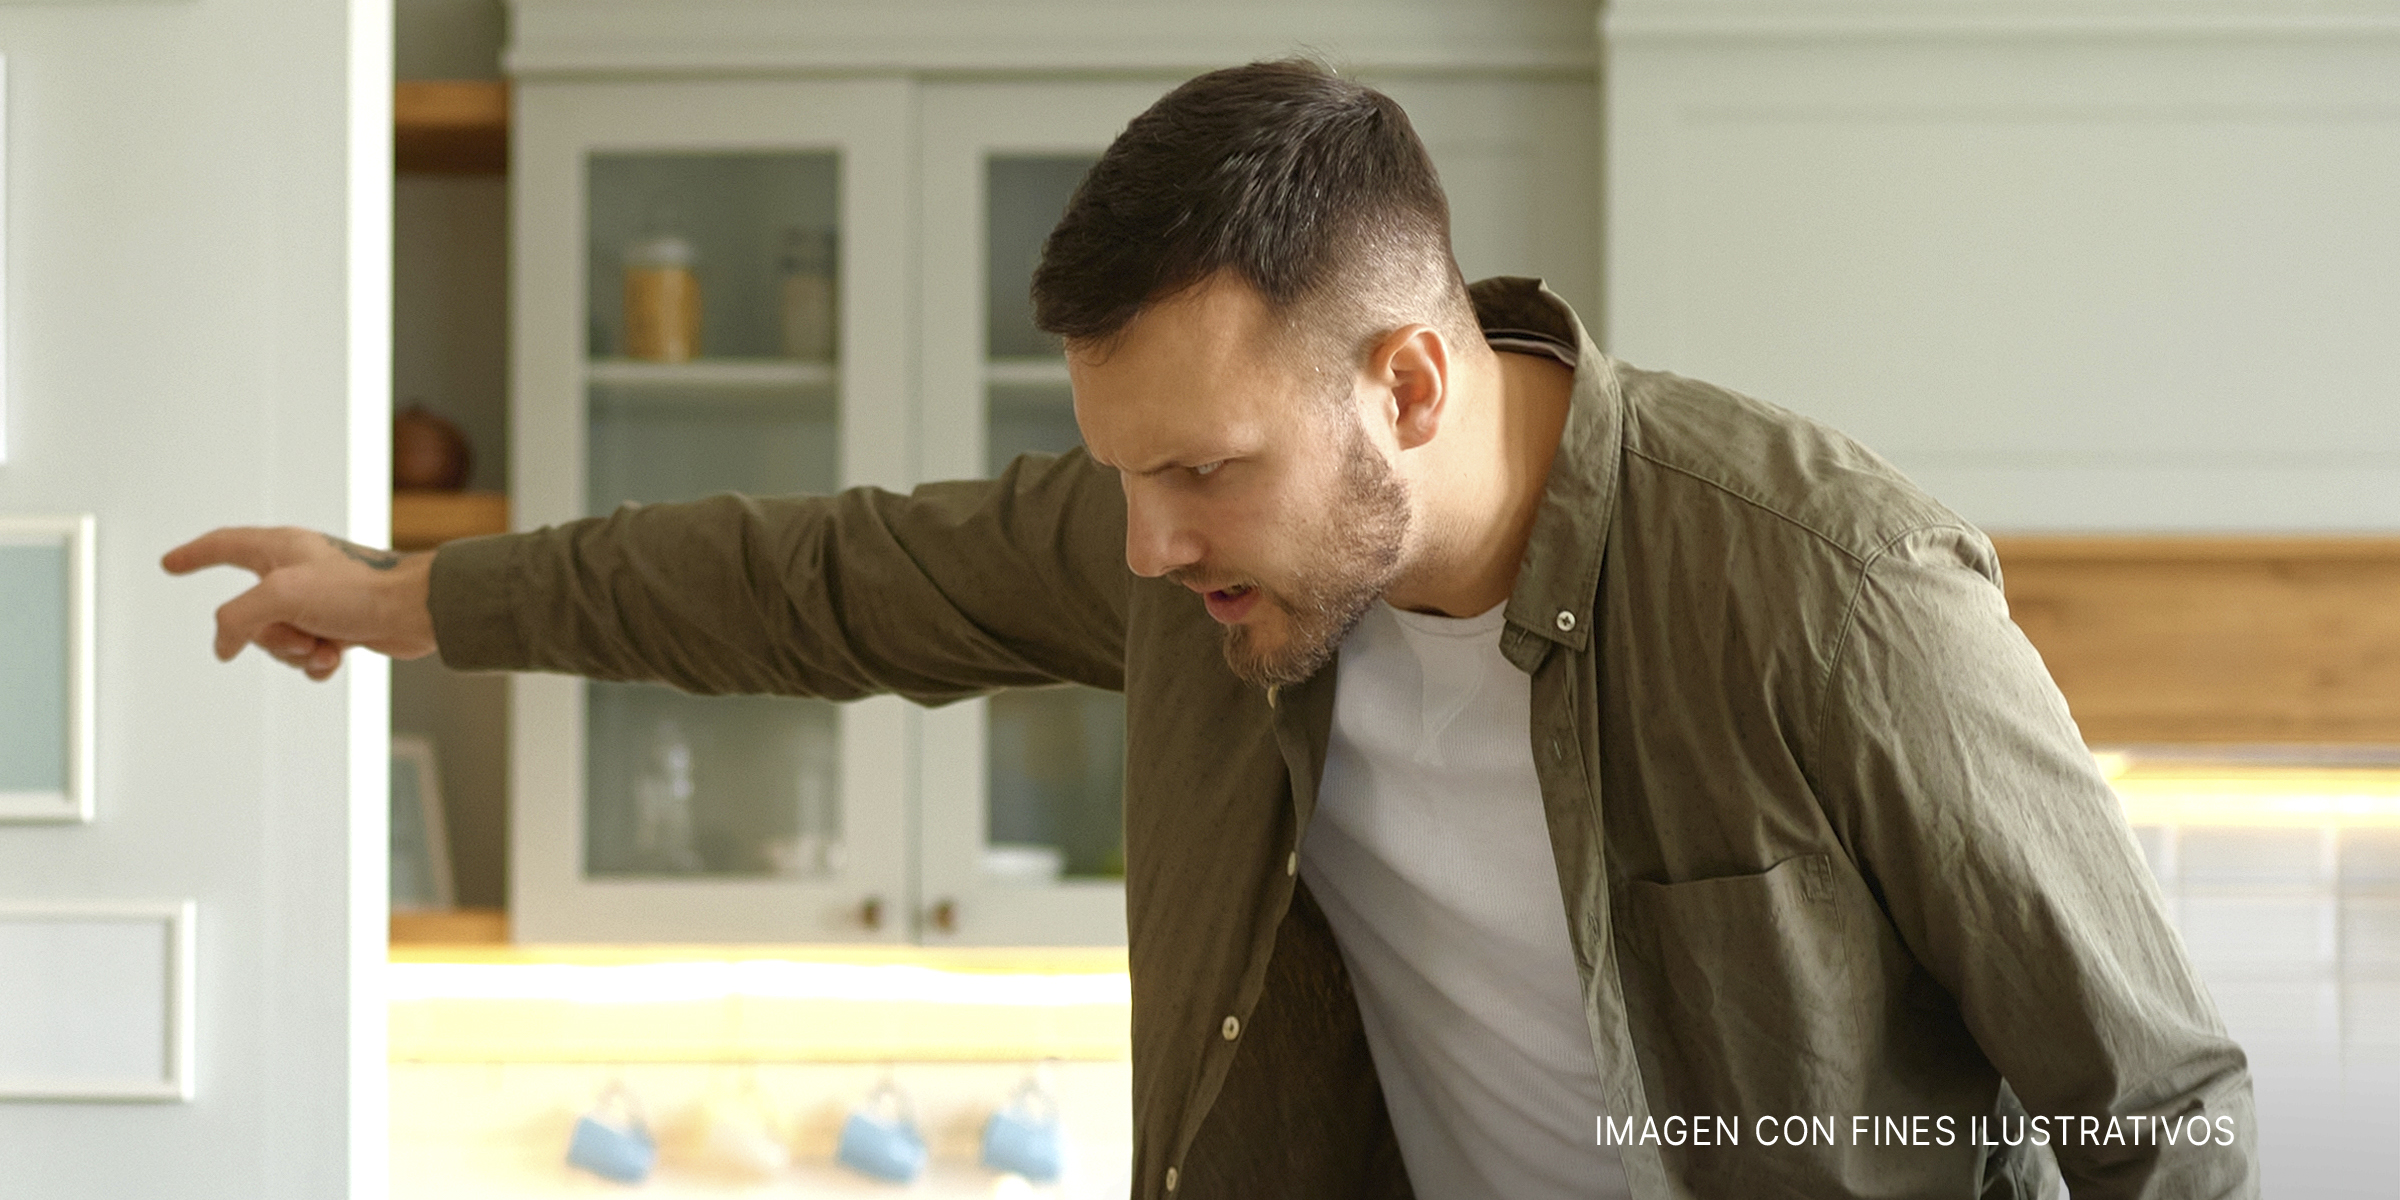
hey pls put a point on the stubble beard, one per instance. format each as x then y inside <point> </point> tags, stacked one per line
<point>1360,538</point>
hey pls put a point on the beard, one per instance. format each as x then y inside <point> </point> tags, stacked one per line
<point>1358,538</point>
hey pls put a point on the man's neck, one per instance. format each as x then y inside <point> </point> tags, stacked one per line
<point>1483,489</point>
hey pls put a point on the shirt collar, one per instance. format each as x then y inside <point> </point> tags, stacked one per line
<point>1560,577</point>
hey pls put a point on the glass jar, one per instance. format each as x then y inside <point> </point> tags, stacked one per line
<point>808,304</point>
<point>662,299</point>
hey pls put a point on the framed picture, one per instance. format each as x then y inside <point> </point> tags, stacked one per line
<point>46,668</point>
<point>420,838</point>
<point>96,1000</point>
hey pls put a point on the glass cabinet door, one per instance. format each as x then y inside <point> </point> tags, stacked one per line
<point>1022,828</point>
<point>686,326</point>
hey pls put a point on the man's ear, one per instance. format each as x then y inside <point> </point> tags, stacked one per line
<point>1412,364</point>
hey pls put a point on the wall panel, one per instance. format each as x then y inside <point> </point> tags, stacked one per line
<point>2100,267</point>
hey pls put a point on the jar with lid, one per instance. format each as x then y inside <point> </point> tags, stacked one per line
<point>662,299</point>
<point>809,302</point>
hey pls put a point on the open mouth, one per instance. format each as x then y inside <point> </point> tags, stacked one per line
<point>1231,603</point>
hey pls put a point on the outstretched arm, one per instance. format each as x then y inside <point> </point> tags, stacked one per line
<point>949,591</point>
<point>316,596</point>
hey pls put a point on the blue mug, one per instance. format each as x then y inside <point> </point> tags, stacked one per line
<point>1023,1136</point>
<point>880,1138</point>
<point>621,1150</point>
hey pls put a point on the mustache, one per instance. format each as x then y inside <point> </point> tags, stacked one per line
<point>1203,579</point>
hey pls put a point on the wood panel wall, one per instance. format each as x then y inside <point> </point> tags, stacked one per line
<point>2204,639</point>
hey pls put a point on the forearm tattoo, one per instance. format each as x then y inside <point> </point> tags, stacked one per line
<point>381,560</point>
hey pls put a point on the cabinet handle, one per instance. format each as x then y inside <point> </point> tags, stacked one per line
<point>944,915</point>
<point>870,913</point>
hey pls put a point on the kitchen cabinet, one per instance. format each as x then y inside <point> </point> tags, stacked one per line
<point>932,171</point>
<point>642,813</point>
<point>1023,829</point>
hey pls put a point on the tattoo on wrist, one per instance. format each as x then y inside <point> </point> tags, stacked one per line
<point>381,560</point>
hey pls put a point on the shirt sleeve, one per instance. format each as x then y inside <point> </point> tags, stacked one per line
<point>1949,765</point>
<point>949,591</point>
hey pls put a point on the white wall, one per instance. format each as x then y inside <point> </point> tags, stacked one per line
<point>197,285</point>
<point>2105,265</point>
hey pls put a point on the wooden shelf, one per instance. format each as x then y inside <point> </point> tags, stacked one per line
<point>451,927</point>
<point>422,520</point>
<point>711,374</point>
<point>2215,639</point>
<point>450,126</point>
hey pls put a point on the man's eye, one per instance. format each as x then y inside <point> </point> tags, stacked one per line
<point>1208,468</point>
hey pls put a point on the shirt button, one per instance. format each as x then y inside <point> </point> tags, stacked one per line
<point>1171,1176</point>
<point>1566,622</point>
<point>1291,864</point>
<point>1233,1028</point>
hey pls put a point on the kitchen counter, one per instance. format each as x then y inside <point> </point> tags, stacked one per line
<point>468,1131</point>
<point>497,1050</point>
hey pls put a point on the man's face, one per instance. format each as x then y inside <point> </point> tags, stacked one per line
<point>1248,479</point>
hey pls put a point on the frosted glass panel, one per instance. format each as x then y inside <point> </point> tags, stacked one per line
<point>1024,198</point>
<point>1055,771</point>
<point>654,444</point>
<point>749,221</point>
<point>722,785</point>
<point>741,395</point>
<point>1028,419</point>
<point>1058,776</point>
<point>35,686</point>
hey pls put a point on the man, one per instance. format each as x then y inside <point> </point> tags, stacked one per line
<point>1519,745</point>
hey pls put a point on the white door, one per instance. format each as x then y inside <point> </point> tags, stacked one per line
<point>198,281</point>
<point>710,294</point>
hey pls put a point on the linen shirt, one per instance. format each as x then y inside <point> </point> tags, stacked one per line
<point>1828,843</point>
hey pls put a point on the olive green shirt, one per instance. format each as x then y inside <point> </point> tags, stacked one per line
<point>1827,841</point>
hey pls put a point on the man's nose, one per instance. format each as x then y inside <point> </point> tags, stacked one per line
<point>1157,540</point>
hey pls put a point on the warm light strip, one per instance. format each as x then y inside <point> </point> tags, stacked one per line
<point>672,982</point>
<point>2234,794</point>
<point>2238,808</point>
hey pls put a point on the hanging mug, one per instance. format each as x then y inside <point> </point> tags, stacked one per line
<point>880,1137</point>
<point>618,1148</point>
<point>1023,1136</point>
<point>738,1134</point>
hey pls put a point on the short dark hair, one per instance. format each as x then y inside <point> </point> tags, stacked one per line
<point>1309,187</point>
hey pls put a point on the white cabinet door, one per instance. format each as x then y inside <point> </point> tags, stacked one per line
<point>777,209</point>
<point>2136,274</point>
<point>1022,830</point>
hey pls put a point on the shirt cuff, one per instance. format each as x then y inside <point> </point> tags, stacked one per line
<point>474,619</point>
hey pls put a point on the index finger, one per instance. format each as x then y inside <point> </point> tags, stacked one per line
<point>247,547</point>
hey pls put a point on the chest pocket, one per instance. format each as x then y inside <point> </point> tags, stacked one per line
<point>1786,992</point>
<point>1762,986</point>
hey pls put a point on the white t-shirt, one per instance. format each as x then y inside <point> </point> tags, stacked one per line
<point>1431,858</point>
